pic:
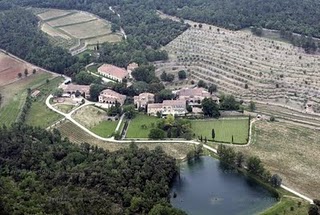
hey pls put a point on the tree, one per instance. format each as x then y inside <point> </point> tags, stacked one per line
<point>166,77</point>
<point>201,83</point>
<point>276,180</point>
<point>239,159</point>
<point>34,71</point>
<point>58,92</point>
<point>129,111</point>
<point>182,74</point>
<point>165,94</point>
<point>255,166</point>
<point>252,106</point>
<point>157,133</point>
<point>212,88</point>
<point>95,90</point>
<point>210,108</point>
<point>0,99</point>
<point>313,210</point>
<point>160,209</point>
<point>77,93</point>
<point>213,134</point>
<point>229,103</point>
<point>115,109</point>
<point>19,75</point>
<point>144,73</point>
<point>26,72</point>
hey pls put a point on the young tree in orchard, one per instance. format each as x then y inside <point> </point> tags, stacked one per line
<point>252,106</point>
<point>182,74</point>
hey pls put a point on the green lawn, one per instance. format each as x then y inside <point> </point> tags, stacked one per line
<point>288,205</point>
<point>15,95</point>
<point>39,114</point>
<point>135,130</point>
<point>224,129</point>
<point>105,128</point>
<point>65,108</point>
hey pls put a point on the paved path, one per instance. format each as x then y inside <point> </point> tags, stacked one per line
<point>69,117</point>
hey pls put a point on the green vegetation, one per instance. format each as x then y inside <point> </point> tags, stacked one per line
<point>65,108</point>
<point>288,205</point>
<point>39,114</point>
<point>47,175</point>
<point>15,94</point>
<point>140,126</point>
<point>224,129</point>
<point>105,128</point>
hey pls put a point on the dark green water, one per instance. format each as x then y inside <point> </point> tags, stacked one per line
<point>205,188</point>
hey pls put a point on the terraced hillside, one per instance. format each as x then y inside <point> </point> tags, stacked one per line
<point>249,67</point>
<point>75,30</point>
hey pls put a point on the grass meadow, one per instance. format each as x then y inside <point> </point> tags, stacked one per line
<point>105,128</point>
<point>135,129</point>
<point>224,128</point>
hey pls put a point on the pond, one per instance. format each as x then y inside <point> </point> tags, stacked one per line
<point>206,188</point>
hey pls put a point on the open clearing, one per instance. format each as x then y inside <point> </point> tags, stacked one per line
<point>76,135</point>
<point>273,71</point>
<point>39,114</point>
<point>10,67</point>
<point>224,129</point>
<point>95,120</point>
<point>15,94</point>
<point>135,129</point>
<point>105,128</point>
<point>291,151</point>
<point>76,30</point>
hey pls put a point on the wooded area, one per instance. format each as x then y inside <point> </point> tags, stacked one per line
<point>41,173</point>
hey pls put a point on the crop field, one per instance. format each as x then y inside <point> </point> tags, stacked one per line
<point>291,151</point>
<point>76,30</point>
<point>247,66</point>
<point>76,135</point>
<point>14,96</point>
<point>53,13</point>
<point>135,129</point>
<point>39,114</point>
<point>224,129</point>
<point>73,18</point>
<point>10,67</point>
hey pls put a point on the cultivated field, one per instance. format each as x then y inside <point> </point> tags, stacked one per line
<point>10,67</point>
<point>249,67</point>
<point>76,30</point>
<point>76,135</point>
<point>291,151</point>
<point>224,129</point>
<point>15,94</point>
<point>39,114</point>
<point>135,129</point>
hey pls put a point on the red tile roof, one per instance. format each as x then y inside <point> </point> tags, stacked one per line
<point>113,71</point>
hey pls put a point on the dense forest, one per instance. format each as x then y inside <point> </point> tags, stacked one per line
<point>44,174</point>
<point>20,35</point>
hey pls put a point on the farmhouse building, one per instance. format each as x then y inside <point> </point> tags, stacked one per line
<point>71,89</point>
<point>35,93</point>
<point>113,72</point>
<point>194,96</point>
<point>143,100</point>
<point>173,107</point>
<point>111,97</point>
